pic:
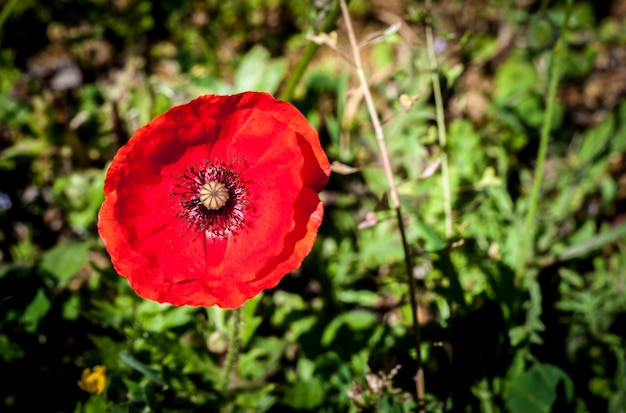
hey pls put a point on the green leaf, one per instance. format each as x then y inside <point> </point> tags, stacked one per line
<point>81,194</point>
<point>594,242</point>
<point>134,390</point>
<point>35,311</point>
<point>432,240</point>
<point>530,110</point>
<point>535,390</point>
<point>257,71</point>
<point>376,181</point>
<point>355,320</point>
<point>263,357</point>
<point>305,395</point>
<point>596,139</point>
<point>95,404</point>
<point>150,397</point>
<point>71,308</point>
<point>517,76</point>
<point>24,148</point>
<point>147,371</point>
<point>64,260</point>
<point>360,297</point>
<point>582,16</point>
<point>542,33</point>
<point>618,142</point>
<point>301,326</point>
<point>9,351</point>
<point>257,401</point>
<point>518,334</point>
<point>158,318</point>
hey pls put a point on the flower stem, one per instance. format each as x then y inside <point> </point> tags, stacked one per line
<point>442,137</point>
<point>297,72</point>
<point>382,146</point>
<point>530,223</point>
<point>441,124</point>
<point>233,348</point>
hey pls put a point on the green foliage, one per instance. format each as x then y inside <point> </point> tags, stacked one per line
<point>536,389</point>
<point>336,335</point>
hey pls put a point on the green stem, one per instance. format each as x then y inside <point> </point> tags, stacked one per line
<point>233,348</point>
<point>296,74</point>
<point>441,124</point>
<point>530,224</point>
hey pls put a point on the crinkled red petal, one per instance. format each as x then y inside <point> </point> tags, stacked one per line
<point>283,166</point>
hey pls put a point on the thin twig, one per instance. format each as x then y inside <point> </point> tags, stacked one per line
<point>380,138</point>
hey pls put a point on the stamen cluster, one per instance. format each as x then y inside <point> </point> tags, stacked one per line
<point>215,222</point>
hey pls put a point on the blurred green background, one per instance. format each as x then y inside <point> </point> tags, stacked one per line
<point>78,77</point>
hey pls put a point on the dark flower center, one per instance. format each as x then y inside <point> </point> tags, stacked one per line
<point>213,198</point>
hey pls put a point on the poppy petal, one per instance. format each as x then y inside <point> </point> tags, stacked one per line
<point>173,249</point>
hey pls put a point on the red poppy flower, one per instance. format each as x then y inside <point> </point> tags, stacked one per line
<point>215,200</point>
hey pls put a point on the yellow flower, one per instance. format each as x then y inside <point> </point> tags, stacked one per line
<point>93,381</point>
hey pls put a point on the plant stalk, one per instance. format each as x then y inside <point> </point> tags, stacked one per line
<point>529,228</point>
<point>441,124</point>
<point>296,74</point>
<point>380,138</point>
<point>233,348</point>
